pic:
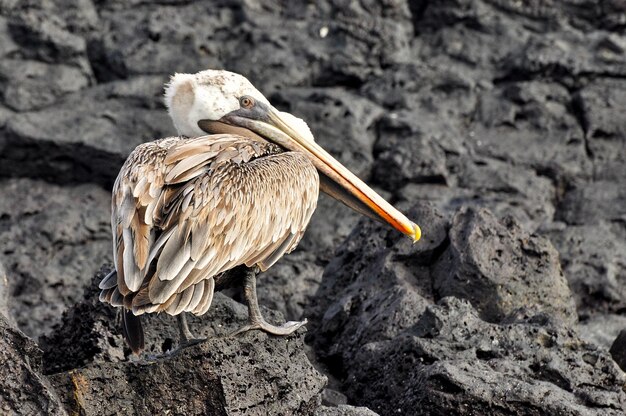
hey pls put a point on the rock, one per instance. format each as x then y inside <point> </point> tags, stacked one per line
<point>594,260</point>
<point>598,105</point>
<point>505,189</point>
<point>515,107</point>
<point>371,293</point>
<point>451,357</point>
<point>7,45</point>
<point>35,85</point>
<point>333,398</point>
<point>601,329</point>
<point>66,226</point>
<point>88,331</point>
<point>141,41</point>
<point>513,120</point>
<point>618,349</point>
<point>344,410</point>
<point>46,36</point>
<point>253,373</point>
<point>4,293</point>
<point>23,390</point>
<point>331,223</point>
<point>407,153</point>
<point>392,329</point>
<point>499,268</point>
<point>592,202</point>
<point>88,136</point>
<point>290,284</point>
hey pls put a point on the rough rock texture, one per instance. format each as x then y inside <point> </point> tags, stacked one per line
<point>67,229</point>
<point>344,410</point>
<point>23,390</point>
<point>250,375</point>
<point>452,362</point>
<point>508,106</point>
<point>4,292</point>
<point>253,374</point>
<point>500,268</point>
<point>618,349</point>
<point>394,329</point>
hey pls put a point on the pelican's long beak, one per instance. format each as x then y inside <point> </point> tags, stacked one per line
<point>335,179</point>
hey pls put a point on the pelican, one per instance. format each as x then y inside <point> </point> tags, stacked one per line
<point>221,202</point>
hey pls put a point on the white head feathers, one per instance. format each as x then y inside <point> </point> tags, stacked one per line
<point>210,95</point>
<point>207,95</point>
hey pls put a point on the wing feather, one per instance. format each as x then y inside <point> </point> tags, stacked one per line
<point>198,291</point>
<point>175,254</point>
<point>207,297</point>
<point>187,210</point>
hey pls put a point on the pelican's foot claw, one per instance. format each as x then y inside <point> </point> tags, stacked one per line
<point>191,342</point>
<point>287,328</point>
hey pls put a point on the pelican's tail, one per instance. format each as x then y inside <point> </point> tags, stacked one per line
<point>132,331</point>
<point>131,324</point>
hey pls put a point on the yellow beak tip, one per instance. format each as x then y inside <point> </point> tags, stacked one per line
<point>417,233</point>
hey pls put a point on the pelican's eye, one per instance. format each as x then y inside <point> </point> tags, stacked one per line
<point>246,101</point>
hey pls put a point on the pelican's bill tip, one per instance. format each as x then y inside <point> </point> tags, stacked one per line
<point>417,233</point>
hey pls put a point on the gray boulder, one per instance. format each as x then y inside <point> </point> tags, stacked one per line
<point>499,268</point>
<point>479,313</point>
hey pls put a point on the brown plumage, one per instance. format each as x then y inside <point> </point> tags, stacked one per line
<point>186,210</point>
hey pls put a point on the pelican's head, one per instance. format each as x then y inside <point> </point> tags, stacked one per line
<point>215,101</point>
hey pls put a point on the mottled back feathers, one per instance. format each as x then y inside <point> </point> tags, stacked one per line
<point>186,210</point>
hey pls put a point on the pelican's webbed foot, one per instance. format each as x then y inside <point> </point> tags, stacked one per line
<point>287,328</point>
<point>256,320</point>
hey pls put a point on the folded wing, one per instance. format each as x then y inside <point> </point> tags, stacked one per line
<point>186,210</point>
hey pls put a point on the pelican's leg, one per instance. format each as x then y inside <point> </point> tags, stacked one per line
<point>255,319</point>
<point>186,337</point>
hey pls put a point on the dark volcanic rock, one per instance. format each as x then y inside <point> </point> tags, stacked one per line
<point>23,390</point>
<point>593,202</point>
<point>344,410</point>
<point>252,374</point>
<point>594,261</point>
<point>137,389</point>
<point>88,331</point>
<point>512,122</point>
<point>399,338</point>
<point>602,329</point>
<point>4,293</point>
<point>290,284</point>
<point>87,136</point>
<point>618,349</point>
<point>600,104</point>
<point>523,365</point>
<point>499,268</point>
<point>66,226</point>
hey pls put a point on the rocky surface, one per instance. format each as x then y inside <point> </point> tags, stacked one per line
<point>449,328</point>
<point>90,367</point>
<point>497,123</point>
<point>66,228</point>
<point>23,389</point>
